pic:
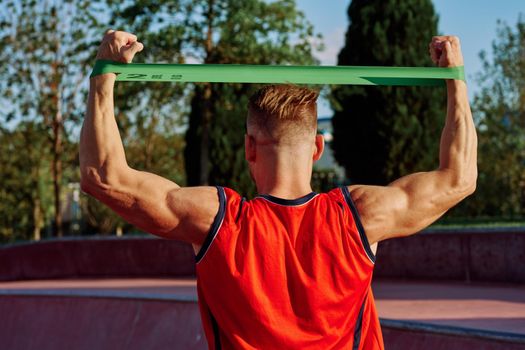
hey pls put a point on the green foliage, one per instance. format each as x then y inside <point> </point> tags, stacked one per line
<point>150,115</point>
<point>500,116</point>
<point>324,180</point>
<point>100,219</point>
<point>382,133</point>
<point>223,31</point>
<point>247,32</point>
<point>25,182</point>
<point>45,49</point>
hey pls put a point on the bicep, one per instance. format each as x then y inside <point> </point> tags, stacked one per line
<point>161,207</point>
<point>407,205</point>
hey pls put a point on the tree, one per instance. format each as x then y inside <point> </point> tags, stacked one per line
<point>46,46</point>
<point>500,111</point>
<point>159,150</point>
<point>248,32</point>
<point>24,191</point>
<point>219,31</point>
<point>382,133</point>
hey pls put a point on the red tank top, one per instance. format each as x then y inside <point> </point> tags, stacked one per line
<point>287,274</point>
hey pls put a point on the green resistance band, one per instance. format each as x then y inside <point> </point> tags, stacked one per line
<point>243,73</point>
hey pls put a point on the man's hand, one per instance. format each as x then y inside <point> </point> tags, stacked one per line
<point>445,51</point>
<point>119,46</point>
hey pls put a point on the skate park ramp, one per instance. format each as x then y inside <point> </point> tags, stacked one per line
<point>140,293</point>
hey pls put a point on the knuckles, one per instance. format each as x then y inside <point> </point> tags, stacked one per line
<point>454,40</point>
<point>445,55</point>
<point>118,36</point>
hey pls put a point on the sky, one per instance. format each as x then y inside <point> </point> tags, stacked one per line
<point>473,21</point>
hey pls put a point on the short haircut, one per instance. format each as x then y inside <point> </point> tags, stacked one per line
<point>283,112</point>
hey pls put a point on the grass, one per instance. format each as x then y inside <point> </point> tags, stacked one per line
<point>479,223</point>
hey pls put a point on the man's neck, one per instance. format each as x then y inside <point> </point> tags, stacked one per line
<point>285,178</point>
<point>286,192</point>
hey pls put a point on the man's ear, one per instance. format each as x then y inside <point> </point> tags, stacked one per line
<point>319,147</point>
<point>249,148</point>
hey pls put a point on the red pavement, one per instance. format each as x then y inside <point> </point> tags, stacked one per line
<point>481,306</point>
<point>154,288</point>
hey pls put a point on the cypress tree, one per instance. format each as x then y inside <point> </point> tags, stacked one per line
<point>382,133</point>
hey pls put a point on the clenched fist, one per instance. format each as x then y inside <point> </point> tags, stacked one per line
<point>445,51</point>
<point>119,46</point>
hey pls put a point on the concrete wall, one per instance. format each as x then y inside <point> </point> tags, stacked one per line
<point>477,255</point>
<point>491,255</point>
<point>58,322</point>
<point>406,335</point>
<point>96,257</point>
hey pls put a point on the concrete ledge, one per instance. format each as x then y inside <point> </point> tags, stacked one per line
<point>96,257</point>
<point>453,330</point>
<point>56,323</point>
<point>408,335</point>
<point>102,294</point>
<point>486,255</point>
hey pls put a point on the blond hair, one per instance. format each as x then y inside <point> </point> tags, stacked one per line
<point>283,112</point>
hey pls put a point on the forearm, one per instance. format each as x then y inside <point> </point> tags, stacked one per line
<point>458,148</point>
<point>101,150</point>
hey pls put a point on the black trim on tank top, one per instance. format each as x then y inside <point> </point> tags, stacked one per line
<point>216,333</point>
<point>358,326</point>
<point>289,202</point>
<point>214,226</point>
<point>360,228</point>
<point>240,209</point>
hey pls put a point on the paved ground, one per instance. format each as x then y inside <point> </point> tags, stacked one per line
<point>163,289</point>
<point>488,307</point>
<point>100,314</point>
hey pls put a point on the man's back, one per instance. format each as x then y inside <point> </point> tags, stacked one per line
<point>291,274</point>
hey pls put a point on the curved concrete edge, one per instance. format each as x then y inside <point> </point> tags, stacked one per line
<point>45,241</point>
<point>103,294</point>
<point>478,254</point>
<point>98,257</point>
<point>453,331</point>
<point>474,230</point>
<point>496,256</point>
<point>52,322</point>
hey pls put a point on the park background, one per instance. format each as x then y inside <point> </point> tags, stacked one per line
<point>193,133</point>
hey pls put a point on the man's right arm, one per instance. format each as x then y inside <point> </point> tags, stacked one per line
<point>413,202</point>
<point>148,201</point>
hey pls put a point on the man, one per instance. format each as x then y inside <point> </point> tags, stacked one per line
<point>290,269</point>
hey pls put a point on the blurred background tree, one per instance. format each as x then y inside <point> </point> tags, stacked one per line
<point>218,31</point>
<point>45,84</point>
<point>252,32</point>
<point>193,133</point>
<point>382,133</point>
<point>46,53</point>
<point>25,196</point>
